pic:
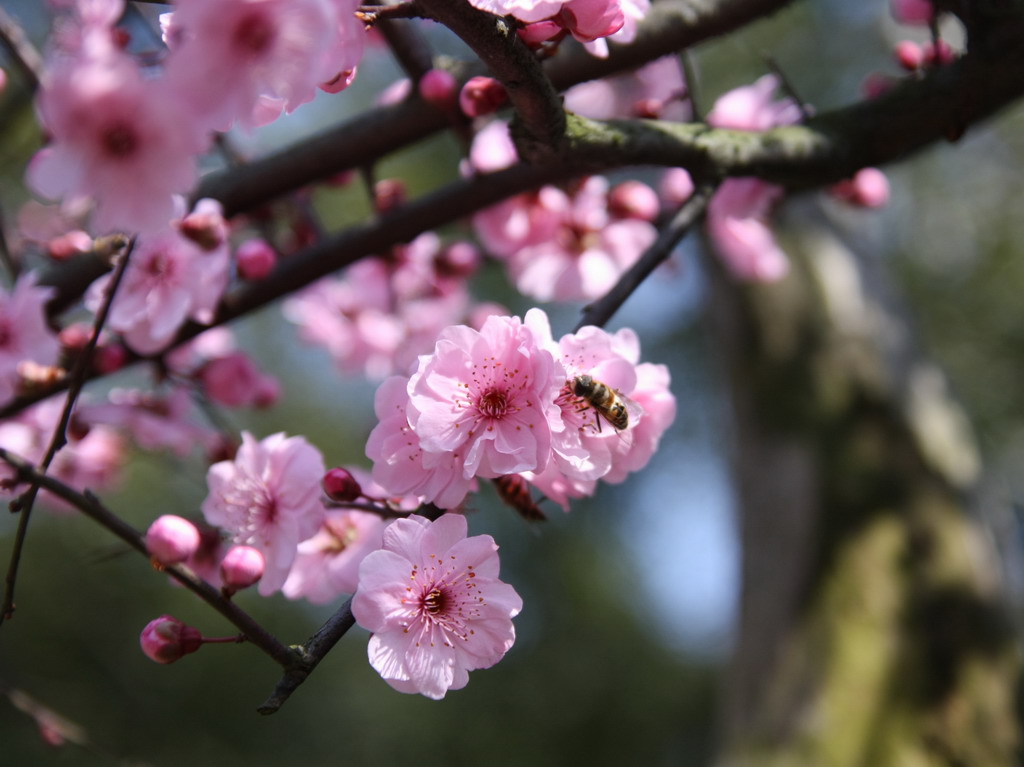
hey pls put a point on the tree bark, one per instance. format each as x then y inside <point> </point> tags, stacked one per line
<point>872,629</point>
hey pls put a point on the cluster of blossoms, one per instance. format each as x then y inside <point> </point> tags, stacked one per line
<point>129,141</point>
<point>381,313</point>
<point>561,244</point>
<point>502,401</point>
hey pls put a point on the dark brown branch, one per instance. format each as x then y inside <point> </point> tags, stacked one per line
<point>89,505</point>
<point>692,211</point>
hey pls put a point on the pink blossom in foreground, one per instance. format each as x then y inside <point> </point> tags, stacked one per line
<point>24,334</point>
<point>169,280</point>
<point>117,138</point>
<point>633,12</point>
<point>400,465</point>
<point>754,107</point>
<point>268,497</point>
<point>486,396</point>
<point>434,603</point>
<point>524,10</point>
<point>327,564</point>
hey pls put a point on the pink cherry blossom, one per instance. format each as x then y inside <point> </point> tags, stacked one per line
<point>234,380</point>
<point>92,458</point>
<point>524,10</point>
<point>433,600</point>
<point>154,422</point>
<point>169,280</point>
<point>737,222</point>
<point>248,60</point>
<point>327,564</point>
<point>633,12</point>
<point>738,214</point>
<point>268,497</point>
<point>24,334</point>
<point>172,539</point>
<point>117,138</point>
<point>486,396</point>
<point>400,466</point>
<point>654,90</point>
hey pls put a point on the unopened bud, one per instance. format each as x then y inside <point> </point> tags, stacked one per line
<point>481,96</point>
<point>205,226</point>
<point>633,199</point>
<point>167,639</point>
<point>388,194</point>
<point>241,567</point>
<point>869,188</point>
<point>256,259</point>
<point>341,486</point>
<point>69,245</point>
<point>676,187</point>
<point>909,55</point>
<point>438,88</point>
<point>109,359</point>
<point>460,259</point>
<point>172,539</point>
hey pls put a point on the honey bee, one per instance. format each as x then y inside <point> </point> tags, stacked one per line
<point>608,403</point>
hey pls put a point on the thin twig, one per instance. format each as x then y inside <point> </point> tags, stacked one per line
<point>692,87</point>
<point>76,380</point>
<point>21,50</point>
<point>91,506</point>
<point>599,312</point>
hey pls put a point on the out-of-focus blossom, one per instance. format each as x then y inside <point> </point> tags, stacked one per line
<point>433,600</point>
<point>123,141</point>
<point>168,281</point>
<point>869,188</point>
<point>255,259</point>
<point>438,87</point>
<point>24,333</point>
<point>482,96</point>
<point>268,497</point>
<point>912,11</point>
<point>327,564</point>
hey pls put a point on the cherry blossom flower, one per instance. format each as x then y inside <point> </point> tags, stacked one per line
<point>380,315</point>
<point>433,600</point>
<point>248,60</point>
<point>268,497</point>
<point>117,138</point>
<point>92,457</point>
<point>327,564</point>
<point>737,218</point>
<point>24,334</point>
<point>169,279</point>
<point>524,10</point>
<point>400,465</point>
<point>487,396</point>
<point>654,90</point>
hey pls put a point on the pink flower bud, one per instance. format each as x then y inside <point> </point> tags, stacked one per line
<point>633,199</point>
<point>171,539</point>
<point>389,193</point>
<point>268,392</point>
<point>909,55</point>
<point>167,639</point>
<point>438,87</point>
<point>460,259</point>
<point>481,96</point>
<point>869,188</point>
<point>109,359</point>
<point>255,259</point>
<point>205,226</point>
<point>676,187</point>
<point>938,55</point>
<point>341,486</point>
<point>75,337</point>
<point>231,380</point>
<point>241,567</point>
<point>69,245</point>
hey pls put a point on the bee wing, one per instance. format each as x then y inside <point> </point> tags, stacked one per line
<point>633,409</point>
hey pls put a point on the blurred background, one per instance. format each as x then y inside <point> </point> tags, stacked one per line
<point>630,599</point>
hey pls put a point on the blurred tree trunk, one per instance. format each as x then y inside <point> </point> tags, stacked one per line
<point>871,629</point>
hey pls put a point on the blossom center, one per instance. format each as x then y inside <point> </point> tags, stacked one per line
<point>253,34</point>
<point>493,403</point>
<point>119,140</point>
<point>434,601</point>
